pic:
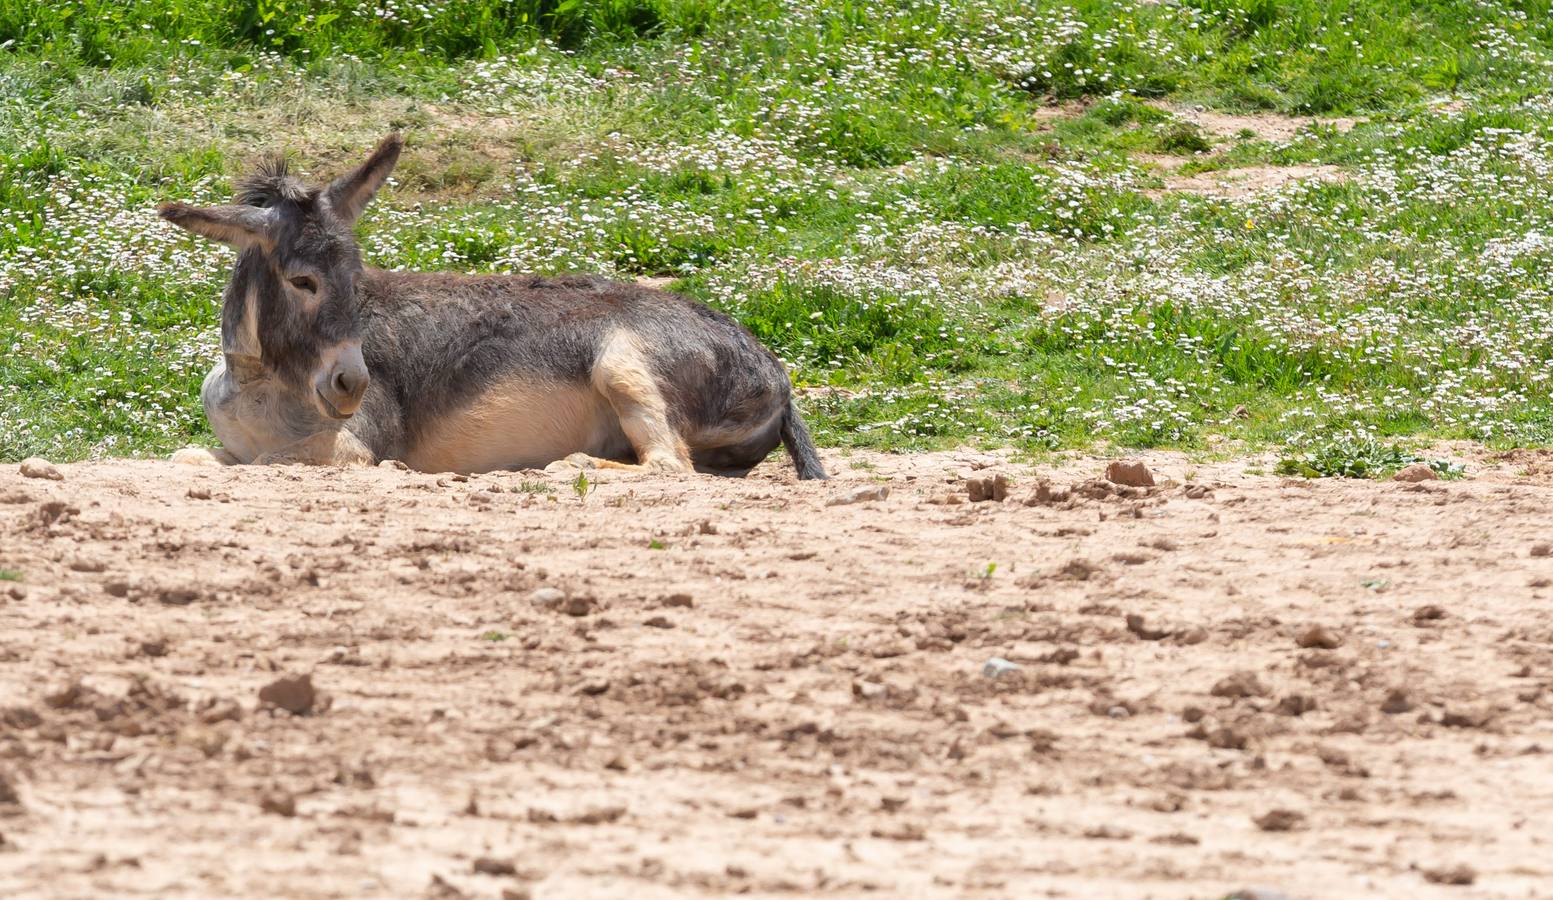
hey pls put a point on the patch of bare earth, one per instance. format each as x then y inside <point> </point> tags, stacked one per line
<point>1244,181</point>
<point>297,682</point>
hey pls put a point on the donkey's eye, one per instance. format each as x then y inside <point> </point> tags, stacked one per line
<point>305,283</point>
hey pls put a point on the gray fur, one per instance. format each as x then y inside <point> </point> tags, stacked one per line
<point>437,345</point>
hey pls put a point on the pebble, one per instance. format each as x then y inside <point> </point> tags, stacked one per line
<point>682,600</point>
<point>487,865</point>
<point>1240,684</point>
<point>547,597</point>
<point>1417,472</point>
<point>997,666</point>
<point>860,495</point>
<point>579,606</point>
<point>1540,550</point>
<point>293,693</point>
<point>1458,874</point>
<point>1129,472</point>
<point>1279,820</point>
<point>37,467</point>
<point>278,803</point>
<point>1258,894</point>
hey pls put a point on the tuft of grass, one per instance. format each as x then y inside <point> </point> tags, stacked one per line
<point>1357,457</point>
<point>10,575</point>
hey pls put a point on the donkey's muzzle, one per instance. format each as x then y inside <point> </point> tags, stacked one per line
<point>343,382</point>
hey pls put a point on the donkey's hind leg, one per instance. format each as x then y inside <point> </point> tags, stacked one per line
<point>623,377</point>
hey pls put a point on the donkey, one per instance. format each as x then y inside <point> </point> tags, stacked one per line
<point>329,362</point>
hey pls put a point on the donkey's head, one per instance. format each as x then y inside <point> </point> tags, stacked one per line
<point>291,312</point>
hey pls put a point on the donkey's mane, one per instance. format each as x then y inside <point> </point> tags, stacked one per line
<point>270,184</point>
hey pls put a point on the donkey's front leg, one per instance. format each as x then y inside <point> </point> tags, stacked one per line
<point>327,448</point>
<point>204,456</point>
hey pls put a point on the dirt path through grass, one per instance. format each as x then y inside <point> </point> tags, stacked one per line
<point>699,687</point>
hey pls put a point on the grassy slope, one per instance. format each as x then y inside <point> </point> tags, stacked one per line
<point>879,190</point>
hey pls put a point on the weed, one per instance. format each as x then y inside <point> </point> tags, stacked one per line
<point>494,636</point>
<point>10,575</point>
<point>582,486</point>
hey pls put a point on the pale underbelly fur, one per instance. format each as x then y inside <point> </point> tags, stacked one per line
<point>521,425</point>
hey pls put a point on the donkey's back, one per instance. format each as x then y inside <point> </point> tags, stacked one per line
<point>499,371</point>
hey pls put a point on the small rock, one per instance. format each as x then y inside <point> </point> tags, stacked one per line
<point>707,527</point>
<point>1428,613</point>
<point>88,565</point>
<point>394,464</point>
<point>679,600</point>
<point>1318,637</point>
<point>1542,549</point>
<point>65,696</point>
<point>1197,492</point>
<point>1258,894</point>
<point>659,622</point>
<point>997,667</point>
<point>1240,684</point>
<point>279,803</point>
<point>993,488</point>
<point>293,693</point>
<point>8,793</point>
<point>1129,472</point>
<point>1193,635</point>
<point>868,690</point>
<point>116,587</point>
<point>487,865</point>
<point>860,495</point>
<point>177,596</point>
<point>547,597</point>
<point>198,493</point>
<point>1417,472</point>
<point>593,687</point>
<point>1279,820</point>
<point>1396,702</point>
<point>579,606</point>
<point>1296,705</point>
<point>1136,625</point>
<point>37,467</point>
<point>1457,874</point>
<point>1465,718</point>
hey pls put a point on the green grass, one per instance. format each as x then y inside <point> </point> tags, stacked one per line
<point>10,575</point>
<point>964,216</point>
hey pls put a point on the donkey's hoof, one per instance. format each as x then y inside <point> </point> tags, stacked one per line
<point>196,456</point>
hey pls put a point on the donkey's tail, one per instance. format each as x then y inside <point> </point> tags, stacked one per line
<point>795,437</point>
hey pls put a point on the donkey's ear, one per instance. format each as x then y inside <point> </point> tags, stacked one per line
<point>349,194</point>
<point>240,226</point>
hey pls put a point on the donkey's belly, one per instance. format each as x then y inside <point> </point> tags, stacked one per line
<point>520,425</point>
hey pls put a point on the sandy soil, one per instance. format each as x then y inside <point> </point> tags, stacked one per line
<point>696,687</point>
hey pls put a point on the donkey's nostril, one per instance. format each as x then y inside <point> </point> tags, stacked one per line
<point>342,383</point>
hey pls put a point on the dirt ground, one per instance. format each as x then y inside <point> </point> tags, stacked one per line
<point>699,687</point>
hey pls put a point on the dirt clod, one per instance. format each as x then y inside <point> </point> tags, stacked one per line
<point>1136,625</point>
<point>1240,684</point>
<point>1541,549</point>
<point>293,693</point>
<point>1280,820</point>
<point>1318,637</point>
<point>992,487</point>
<point>1397,701</point>
<point>279,803</point>
<point>1459,874</point>
<point>490,865</point>
<point>1415,473</point>
<point>1129,472</point>
<point>860,495</point>
<point>37,467</point>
